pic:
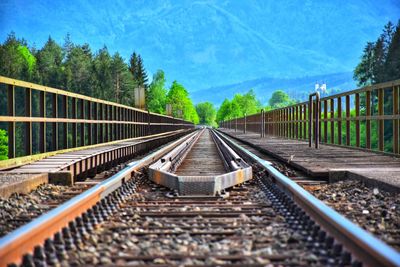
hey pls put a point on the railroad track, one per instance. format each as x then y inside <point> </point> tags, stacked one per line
<point>128,220</point>
<point>299,176</point>
<point>50,201</point>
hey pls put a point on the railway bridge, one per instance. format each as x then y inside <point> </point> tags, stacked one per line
<point>90,182</point>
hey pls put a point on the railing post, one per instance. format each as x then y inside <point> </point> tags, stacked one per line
<point>235,124</point>
<point>312,107</point>
<point>396,121</point>
<point>28,125</point>
<point>149,122</point>
<point>65,124</point>
<point>11,125</point>
<point>74,124</point>
<point>262,123</point>
<point>245,123</point>
<point>55,124</point>
<point>317,114</point>
<point>82,107</point>
<point>42,125</point>
<point>381,122</point>
<point>90,124</point>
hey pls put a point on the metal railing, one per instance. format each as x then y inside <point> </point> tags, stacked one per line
<point>48,119</point>
<point>370,119</point>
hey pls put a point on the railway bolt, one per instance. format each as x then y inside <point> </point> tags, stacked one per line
<point>81,227</point>
<point>27,261</point>
<point>97,213</point>
<point>345,259</point>
<point>39,256</point>
<point>106,206</point>
<point>337,249</point>
<point>50,250</point>
<point>69,242</point>
<point>329,242</point>
<point>60,247</point>
<point>356,264</point>
<point>86,222</point>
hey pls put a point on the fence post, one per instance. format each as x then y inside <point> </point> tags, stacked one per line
<point>310,119</point>
<point>262,123</point>
<point>245,123</point>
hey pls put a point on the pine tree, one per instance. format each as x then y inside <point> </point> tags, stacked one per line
<point>142,76</point>
<point>138,71</point>
<point>49,64</point>
<point>363,72</point>
<point>393,57</point>
<point>133,66</point>
<point>378,62</point>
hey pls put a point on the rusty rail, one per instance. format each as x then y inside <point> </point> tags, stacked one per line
<point>59,120</point>
<point>370,119</point>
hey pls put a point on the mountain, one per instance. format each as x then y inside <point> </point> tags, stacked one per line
<point>206,43</point>
<point>297,88</point>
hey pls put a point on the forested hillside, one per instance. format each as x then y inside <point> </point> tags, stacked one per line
<point>76,68</point>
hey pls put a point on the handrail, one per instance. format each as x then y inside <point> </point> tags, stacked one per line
<point>72,120</point>
<point>370,109</point>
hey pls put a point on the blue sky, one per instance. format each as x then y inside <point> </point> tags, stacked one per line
<point>212,43</point>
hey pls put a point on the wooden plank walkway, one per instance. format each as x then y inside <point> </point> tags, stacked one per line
<point>329,161</point>
<point>203,159</point>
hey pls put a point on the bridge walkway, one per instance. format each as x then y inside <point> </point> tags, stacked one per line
<point>337,163</point>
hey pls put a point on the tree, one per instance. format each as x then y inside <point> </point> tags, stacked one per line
<point>49,64</point>
<point>280,99</point>
<point>136,67</point>
<point>78,70</point>
<point>207,113</point>
<point>16,59</point>
<point>157,94</point>
<point>3,145</point>
<point>228,110</point>
<point>247,103</point>
<point>122,80</point>
<point>178,97</point>
<point>102,76</point>
<point>378,62</point>
<point>363,72</point>
<point>393,58</point>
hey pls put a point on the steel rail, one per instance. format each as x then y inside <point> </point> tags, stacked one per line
<point>237,171</point>
<point>22,240</point>
<point>367,248</point>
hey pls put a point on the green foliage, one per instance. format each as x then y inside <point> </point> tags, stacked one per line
<point>122,81</point>
<point>239,106</point>
<point>393,56</point>
<point>75,68</point>
<point>136,67</point>
<point>280,99</point>
<point>30,60</point>
<point>157,94</point>
<point>16,59</point>
<point>207,113</point>
<point>3,145</point>
<point>78,70</point>
<point>380,61</point>
<point>178,97</point>
<point>49,64</point>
